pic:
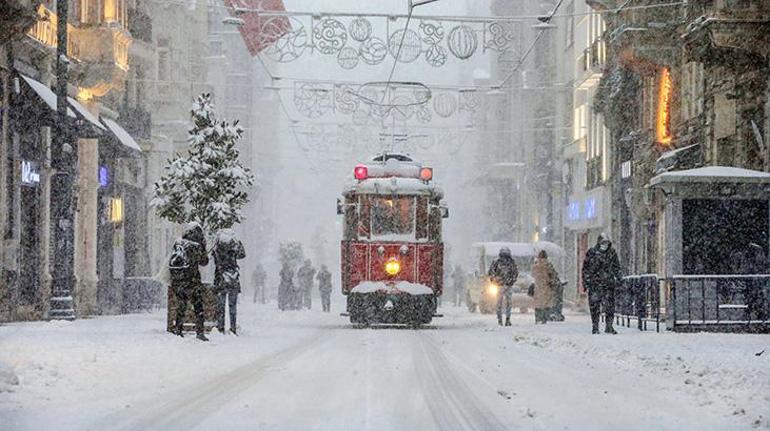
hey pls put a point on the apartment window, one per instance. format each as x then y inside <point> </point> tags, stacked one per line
<point>692,90</point>
<point>116,11</point>
<point>649,97</point>
<point>579,123</point>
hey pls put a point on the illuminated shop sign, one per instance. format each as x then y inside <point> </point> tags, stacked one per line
<point>663,125</point>
<point>30,173</point>
<point>590,209</point>
<point>584,212</point>
<point>104,176</point>
<point>573,212</point>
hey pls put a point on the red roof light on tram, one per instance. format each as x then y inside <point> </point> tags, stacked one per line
<point>426,174</point>
<point>361,172</point>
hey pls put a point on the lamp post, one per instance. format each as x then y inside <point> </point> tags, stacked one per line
<point>63,162</point>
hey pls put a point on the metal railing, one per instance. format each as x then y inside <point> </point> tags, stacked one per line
<point>735,303</point>
<point>639,299</point>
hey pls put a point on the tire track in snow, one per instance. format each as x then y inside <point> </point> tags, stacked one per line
<point>193,404</point>
<point>451,402</point>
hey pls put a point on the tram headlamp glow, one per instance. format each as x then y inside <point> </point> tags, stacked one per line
<point>392,267</point>
<point>492,289</point>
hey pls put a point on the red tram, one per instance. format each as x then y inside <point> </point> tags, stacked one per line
<point>392,250</point>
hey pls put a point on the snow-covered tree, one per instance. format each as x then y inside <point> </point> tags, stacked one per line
<point>291,253</point>
<point>209,185</point>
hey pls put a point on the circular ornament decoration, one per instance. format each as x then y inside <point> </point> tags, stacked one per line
<point>462,42</point>
<point>373,51</point>
<point>426,142</point>
<point>330,36</point>
<point>410,49</point>
<point>469,101</point>
<point>436,56</point>
<point>348,58</point>
<point>360,29</point>
<point>445,105</point>
<point>431,32</point>
<point>284,39</point>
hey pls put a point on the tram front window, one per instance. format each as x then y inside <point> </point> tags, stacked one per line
<point>392,216</point>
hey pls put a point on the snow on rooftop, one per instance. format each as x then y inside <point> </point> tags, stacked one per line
<point>395,185</point>
<point>712,174</point>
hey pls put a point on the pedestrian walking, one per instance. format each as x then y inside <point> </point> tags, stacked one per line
<point>504,273</point>
<point>228,249</point>
<point>258,278</point>
<point>189,253</point>
<point>305,283</point>
<point>324,278</point>
<point>546,285</point>
<point>458,285</point>
<point>286,288</point>
<point>601,275</point>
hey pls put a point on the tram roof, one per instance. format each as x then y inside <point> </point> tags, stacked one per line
<point>395,186</point>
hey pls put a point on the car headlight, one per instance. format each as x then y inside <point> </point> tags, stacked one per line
<point>392,267</point>
<point>492,289</point>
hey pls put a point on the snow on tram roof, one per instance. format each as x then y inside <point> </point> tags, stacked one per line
<point>394,185</point>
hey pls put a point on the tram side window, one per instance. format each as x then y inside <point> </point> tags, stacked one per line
<point>392,216</point>
<point>421,230</point>
<point>363,217</point>
<point>351,219</point>
<point>434,223</point>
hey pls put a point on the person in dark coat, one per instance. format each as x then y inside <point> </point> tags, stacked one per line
<point>601,275</point>
<point>258,278</point>
<point>188,255</point>
<point>227,251</point>
<point>504,273</point>
<point>305,283</point>
<point>286,287</point>
<point>324,278</point>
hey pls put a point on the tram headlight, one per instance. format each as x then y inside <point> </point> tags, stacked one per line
<point>492,289</point>
<point>392,267</point>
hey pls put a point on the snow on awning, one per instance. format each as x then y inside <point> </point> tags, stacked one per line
<point>85,113</point>
<point>45,93</point>
<point>121,134</point>
<point>712,175</point>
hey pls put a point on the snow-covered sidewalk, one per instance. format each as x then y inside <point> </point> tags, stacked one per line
<point>309,370</point>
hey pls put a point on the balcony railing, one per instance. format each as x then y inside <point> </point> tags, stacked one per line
<point>638,298</point>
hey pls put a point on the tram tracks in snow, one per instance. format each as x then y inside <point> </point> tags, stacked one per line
<point>450,400</point>
<point>188,407</point>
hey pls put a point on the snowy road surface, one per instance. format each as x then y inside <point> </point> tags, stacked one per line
<point>312,371</point>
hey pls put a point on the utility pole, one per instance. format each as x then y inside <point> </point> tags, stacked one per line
<point>63,163</point>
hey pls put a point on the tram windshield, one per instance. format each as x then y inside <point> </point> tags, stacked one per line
<point>392,216</point>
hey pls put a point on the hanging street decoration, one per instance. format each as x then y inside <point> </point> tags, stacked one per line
<point>329,36</point>
<point>406,44</point>
<point>362,40</point>
<point>284,40</point>
<point>463,42</point>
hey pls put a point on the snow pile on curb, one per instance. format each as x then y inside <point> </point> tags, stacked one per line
<point>712,368</point>
<point>8,379</point>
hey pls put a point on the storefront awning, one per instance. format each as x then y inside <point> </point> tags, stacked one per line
<point>712,175</point>
<point>85,113</point>
<point>46,94</point>
<point>121,134</point>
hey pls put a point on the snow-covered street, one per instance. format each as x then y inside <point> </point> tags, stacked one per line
<point>309,370</point>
